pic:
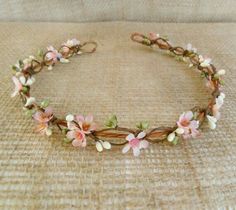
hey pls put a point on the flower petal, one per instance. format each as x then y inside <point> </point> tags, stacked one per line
<point>76,143</point>
<point>126,148</point>
<point>30,101</point>
<point>189,115</point>
<point>89,118</point>
<point>194,124</point>
<point>38,116</point>
<point>130,137</point>
<point>141,135</point>
<point>70,134</point>
<point>48,111</point>
<point>136,151</point>
<point>143,144</point>
<point>22,79</point>
<point>79,118</point>
<point>30,81</point>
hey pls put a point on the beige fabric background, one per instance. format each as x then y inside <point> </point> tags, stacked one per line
<point>107,10</point>
<point>136,83</point>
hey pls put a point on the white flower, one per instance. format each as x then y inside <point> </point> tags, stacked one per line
<point>102,144</point>
<point>191,48</point>
<point>72,42</point>
<point>211,122</point>
<point>30,101</point>
<point>219,101</point>
<point>204,62</point>
<point>27,82</point>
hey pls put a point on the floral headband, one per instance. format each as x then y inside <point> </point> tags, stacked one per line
<point>77,128</point>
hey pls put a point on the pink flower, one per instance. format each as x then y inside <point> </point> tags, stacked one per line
<point>78,137</point>
<point>189,125</point>
<point>43,118</point>
<point>53,54</point>
<point>86,123</point>
<point>136,143</point>
<point>18,86</point>
<point>153,36</point>
<point>78,127</point>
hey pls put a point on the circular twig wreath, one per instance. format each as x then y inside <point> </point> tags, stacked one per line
<point>77,128</point>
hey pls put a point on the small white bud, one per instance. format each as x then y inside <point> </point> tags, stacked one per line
<point>221,72</point>
<point>69,117</point>
<point>179,131</point>
<point>171,137</point>
<point>48,131</point>
<point>64,60</point>
<point>106,144</point>
<point>50,67</point>
<point>99,146</point>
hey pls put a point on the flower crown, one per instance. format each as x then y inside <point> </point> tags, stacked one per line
<point>77,128</point>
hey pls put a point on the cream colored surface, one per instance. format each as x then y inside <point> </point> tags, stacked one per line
<point>107,10</point>
<point>137,84</point>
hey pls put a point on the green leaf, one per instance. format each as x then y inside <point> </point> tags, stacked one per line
<point>195,115</point>
<point>40,53</point>
<point>222,82</point>
<point>112,122</point>
<point>21,64</point>
<point>175,141</point>
<point>142,125</point>
<point>67,141</point>
<point>64,131</point>
<point>14,68</point>
<point>30,112</point>
<point>165,37</point>
<point>45,103</point>
<point>25,89</point>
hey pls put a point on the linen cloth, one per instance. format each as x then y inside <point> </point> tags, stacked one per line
<point>137,84</point>
<point>117,10</point>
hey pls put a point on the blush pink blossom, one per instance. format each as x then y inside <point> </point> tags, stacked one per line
<point>53,54</point>
<point>43,118</point>
<point>86,123</point>
<point>189,125</point>
<point>79,126</point>
<point>135,143</point>
<point>18,86</point>
<point>78,137</point>
<point>153,36</point>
